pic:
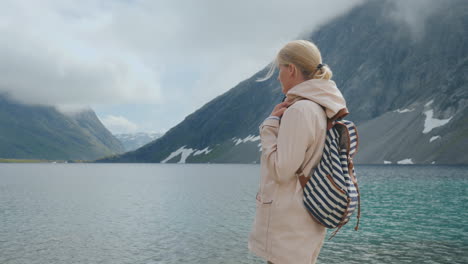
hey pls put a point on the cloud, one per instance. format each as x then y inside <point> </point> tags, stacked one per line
<point>119,124</point>
<point>47,60</point>
<point>414,13</point>
<point>36,74</point>
<point>222,42</point>
<point>164,53</point>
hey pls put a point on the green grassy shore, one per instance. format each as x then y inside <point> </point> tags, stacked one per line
<point>38,161</point>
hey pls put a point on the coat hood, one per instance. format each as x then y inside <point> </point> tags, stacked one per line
<point>322,92</point>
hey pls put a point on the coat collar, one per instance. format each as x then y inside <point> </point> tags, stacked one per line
<point>322,92</point>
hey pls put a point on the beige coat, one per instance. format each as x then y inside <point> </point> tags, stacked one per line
<point>283,232</point>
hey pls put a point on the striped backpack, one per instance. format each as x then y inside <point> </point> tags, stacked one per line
<point>331,192</point>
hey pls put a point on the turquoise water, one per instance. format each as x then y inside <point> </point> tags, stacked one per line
<point>161,213</point>
<point>410,214</point>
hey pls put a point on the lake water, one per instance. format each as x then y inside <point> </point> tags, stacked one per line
<point>174,213</point>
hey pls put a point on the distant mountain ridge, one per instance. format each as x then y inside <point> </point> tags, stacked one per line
<point>408,95</point>
<point>42,132</point>
<point>132,141</point>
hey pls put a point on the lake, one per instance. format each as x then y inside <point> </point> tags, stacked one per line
<point>202,213</point>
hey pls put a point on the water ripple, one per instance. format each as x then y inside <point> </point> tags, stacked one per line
<point>164,213</point>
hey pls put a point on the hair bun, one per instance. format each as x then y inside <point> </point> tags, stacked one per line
<point>320,66</point>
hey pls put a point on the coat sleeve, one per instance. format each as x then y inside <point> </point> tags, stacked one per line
<point>284,146</point>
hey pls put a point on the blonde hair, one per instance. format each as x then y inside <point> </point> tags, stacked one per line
<point>305,56</point>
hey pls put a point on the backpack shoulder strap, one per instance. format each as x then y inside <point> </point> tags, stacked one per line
<point>349,132</point>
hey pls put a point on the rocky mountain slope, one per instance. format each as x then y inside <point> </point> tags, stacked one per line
<point>406,91</point>
<point>40,132</point>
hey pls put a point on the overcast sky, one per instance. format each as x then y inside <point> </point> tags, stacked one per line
<point>144,65</point>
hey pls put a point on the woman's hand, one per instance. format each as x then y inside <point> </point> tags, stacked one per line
<point>280,108</point>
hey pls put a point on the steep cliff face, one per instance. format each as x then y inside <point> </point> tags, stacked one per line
<point>40,132</point>
<point>382,65</point>
<point>407,92</point>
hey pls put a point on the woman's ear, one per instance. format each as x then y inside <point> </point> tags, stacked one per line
<point>291,69</point>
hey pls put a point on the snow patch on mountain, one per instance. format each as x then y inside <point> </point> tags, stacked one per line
<point>182,150</point>
<point>431,123</point>
<point>405,161</point>
<point>186,152</point>
<point>429,103</point>
<point>404,110</point>
<point>205,150</point>
<point>251,138</point>
<point>434,138</point>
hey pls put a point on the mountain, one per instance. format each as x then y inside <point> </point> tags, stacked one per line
<point>406,91</point>
<point>42,132</point>
<point>132,141</point>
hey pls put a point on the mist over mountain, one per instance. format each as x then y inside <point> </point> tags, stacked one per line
<point>42,132</point>
<point>405,84</point>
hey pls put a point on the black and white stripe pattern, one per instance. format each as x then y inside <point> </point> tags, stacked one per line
<point>331,195</point>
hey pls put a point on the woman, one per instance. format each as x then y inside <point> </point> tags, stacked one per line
<point>292,139</point>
